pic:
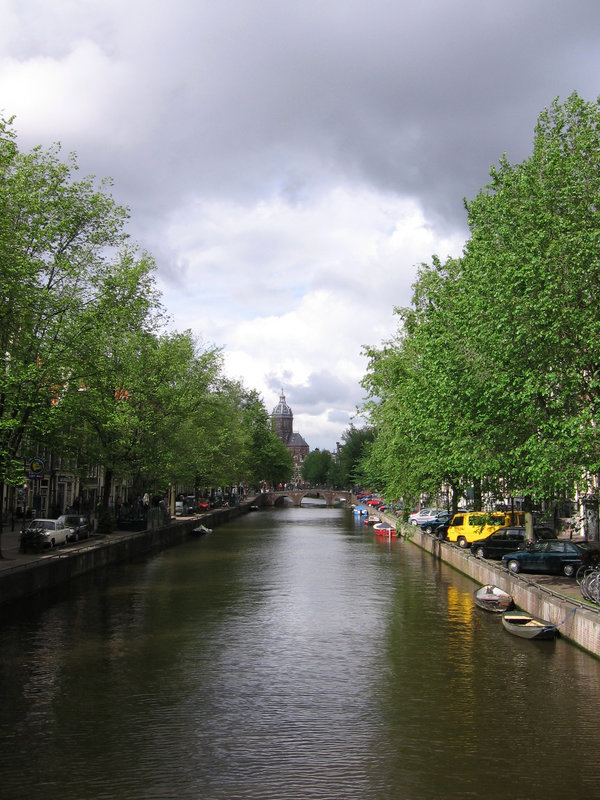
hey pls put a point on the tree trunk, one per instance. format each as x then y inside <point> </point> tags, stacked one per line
<point>477,500</point>
<point>1,517</point>
<point>590,518</point>
<point>108,480</point>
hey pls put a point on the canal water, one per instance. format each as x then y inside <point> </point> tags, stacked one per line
<point>288,655</point>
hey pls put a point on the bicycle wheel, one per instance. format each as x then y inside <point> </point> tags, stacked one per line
<point>592,587</point>
<point>586,583</point>
<point>583,571</point>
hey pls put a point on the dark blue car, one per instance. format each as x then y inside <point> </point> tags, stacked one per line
<point>433,525</point>
<point>556,557</point>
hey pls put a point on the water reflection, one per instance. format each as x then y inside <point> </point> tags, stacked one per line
<point>292,654</point>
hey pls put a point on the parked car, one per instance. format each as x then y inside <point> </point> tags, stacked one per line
<point>509,539</point>
<point>42,533</point>
<point>465,527</point>
<point>424,515</point>
<point>432,525</point>
<point>555,557</point>
<point>374,501</point>
<point>78,525</point>
<point>203,504</point>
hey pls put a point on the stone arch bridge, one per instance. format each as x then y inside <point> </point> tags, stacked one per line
<point>332,497</point>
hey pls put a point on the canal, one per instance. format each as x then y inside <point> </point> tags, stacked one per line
<point>288,655</point>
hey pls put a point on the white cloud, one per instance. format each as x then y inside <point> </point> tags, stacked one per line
<point>294,290</point>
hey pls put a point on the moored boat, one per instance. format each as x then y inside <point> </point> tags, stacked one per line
<point>527,627</point>
<point>201,530</point>
<point>372,520</point>
<point>493,598</point>
<point>384,529</point>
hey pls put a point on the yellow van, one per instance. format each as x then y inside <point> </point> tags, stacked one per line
<point>468,526</point>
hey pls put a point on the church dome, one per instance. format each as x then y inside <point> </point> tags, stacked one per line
<point>282,409</point>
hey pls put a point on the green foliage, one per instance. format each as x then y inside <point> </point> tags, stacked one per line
<point>54,237</point>
<point>493,377</point>
<point>105,522</point>
<point>347,471</point>
<point>316,467</point>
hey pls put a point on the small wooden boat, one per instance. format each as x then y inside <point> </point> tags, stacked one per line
<point>372,520</point>
<point>528,627</point>
<point>493,598</point>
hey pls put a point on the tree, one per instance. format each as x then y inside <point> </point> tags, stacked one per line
<point>493,377</point>
<point>316,467</point>
<point>534,259</point>
<point>55,238</point>
<point>423,396</point>
<point>354,442</point>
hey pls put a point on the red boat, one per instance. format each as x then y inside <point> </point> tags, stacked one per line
<point>384,529</point>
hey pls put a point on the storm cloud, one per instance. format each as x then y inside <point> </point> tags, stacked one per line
<point>289,164</point>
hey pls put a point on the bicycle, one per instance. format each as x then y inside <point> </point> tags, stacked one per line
<point>588,579</point>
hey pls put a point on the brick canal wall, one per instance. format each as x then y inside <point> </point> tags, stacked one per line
<point>579,622</point>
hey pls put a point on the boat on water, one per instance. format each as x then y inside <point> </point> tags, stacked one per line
<point>527,627</point>
<point>493,598</point>
<point>359,511</point>
<point>384,529</point>
<point>372,520</point>
<point>201,530</point>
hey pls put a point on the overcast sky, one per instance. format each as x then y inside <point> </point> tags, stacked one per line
<point>290,163</point>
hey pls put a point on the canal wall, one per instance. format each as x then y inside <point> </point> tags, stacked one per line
<point>23,579</point>
<point>577,621</point>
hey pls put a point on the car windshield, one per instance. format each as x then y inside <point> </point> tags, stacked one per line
<point>43,524</point>
<point>71,520</point>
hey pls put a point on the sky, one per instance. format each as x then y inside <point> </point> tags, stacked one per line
<point>290,163</point>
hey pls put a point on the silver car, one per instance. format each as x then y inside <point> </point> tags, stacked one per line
<point>51,531</point>
<point>424,515</point>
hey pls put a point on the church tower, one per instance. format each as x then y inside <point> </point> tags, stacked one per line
<point>283,425</point>
<point>283,420</point>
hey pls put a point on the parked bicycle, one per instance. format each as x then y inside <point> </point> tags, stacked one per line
<point>588,579</point>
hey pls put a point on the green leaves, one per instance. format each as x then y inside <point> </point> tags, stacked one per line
<point>494,373</point>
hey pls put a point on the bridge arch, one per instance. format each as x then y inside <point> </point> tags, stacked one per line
<point>331,496</point>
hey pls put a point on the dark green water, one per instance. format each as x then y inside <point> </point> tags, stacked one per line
<point>289,655</point>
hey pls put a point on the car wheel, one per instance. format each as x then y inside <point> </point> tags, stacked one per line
<point>429,529</point>
<point>413,522</point>
<point>480,553</point>
<point>514,566</point>
<point>461,542</point>
<point>568,570</point>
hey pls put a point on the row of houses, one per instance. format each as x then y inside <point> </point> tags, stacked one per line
<point>52,485</point>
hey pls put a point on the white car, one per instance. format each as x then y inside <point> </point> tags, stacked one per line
<point>424,515</point>
<point>53,531</point>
